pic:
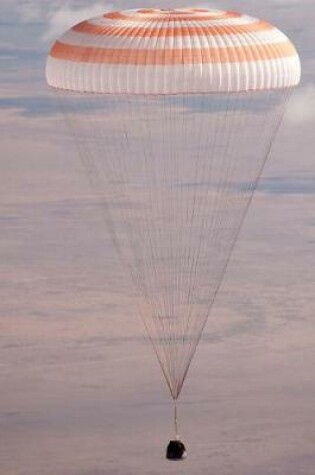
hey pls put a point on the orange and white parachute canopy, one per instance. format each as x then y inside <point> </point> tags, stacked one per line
<point>189,50</point>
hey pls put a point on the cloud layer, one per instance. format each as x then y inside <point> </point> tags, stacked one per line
<point>302,106</point>
<point>57,16</point>
<point>67,16</point>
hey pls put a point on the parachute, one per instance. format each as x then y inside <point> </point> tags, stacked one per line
<point>174,113</point>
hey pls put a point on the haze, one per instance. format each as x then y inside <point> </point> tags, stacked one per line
<point>81,391</point>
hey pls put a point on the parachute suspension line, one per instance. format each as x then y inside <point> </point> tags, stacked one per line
<point>137,232</point>
<point>193,206</point>
<point>203,171</point>
<point>251,186</point>
<point>278,116</point>
<point>153,229</point>
<point>80,133</point>
<point>205,161</point>
<point>220,227</point>
<point>173,211</point>
<point>79,129</point>
<point>201,201</point>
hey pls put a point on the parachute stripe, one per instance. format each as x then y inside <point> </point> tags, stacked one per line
<point>108,30</point>
<point>168,42</point>
<point>169,17</point>
<point>231,54</point>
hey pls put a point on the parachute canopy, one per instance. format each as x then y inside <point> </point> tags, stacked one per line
<point>174,113</point>
<point>155,51</point>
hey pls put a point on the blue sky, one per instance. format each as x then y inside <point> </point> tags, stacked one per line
<point>73,390</point>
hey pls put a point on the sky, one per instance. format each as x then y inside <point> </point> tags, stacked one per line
<point>81,392</point>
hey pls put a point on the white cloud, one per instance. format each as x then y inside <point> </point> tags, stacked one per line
<point>67,16</point>
<point>30,12</point>
<point>302,105</point>
<point>58,16</point>
<point>205,5</point>
<point>288,3</point>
